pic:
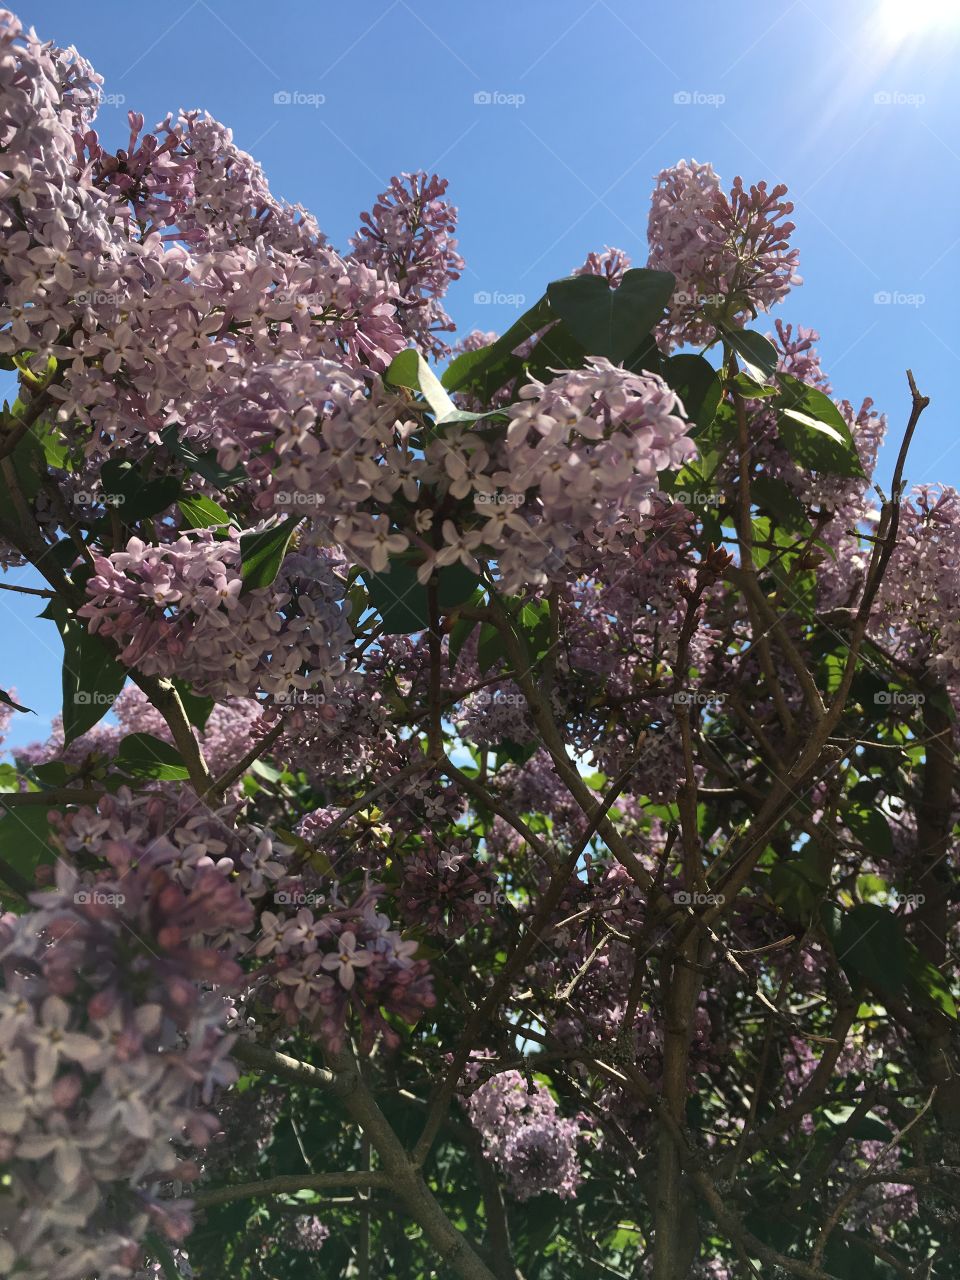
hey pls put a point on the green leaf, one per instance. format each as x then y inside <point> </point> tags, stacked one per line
<point>869,826</point>
<point>399,598</point>
<point>8,701</point>
<point>868,1128</point>
<point>202,513</point>
<point>697,384</point>
<point>203,464</point>
<point>509,752</point>
<point>409,369</point>
<point>929,982</point>
<point>91,677</point>
<point>145,756</point>
<point>135,498</point>
<point>56,450</point>
<point>797,885</point>
<point>611,322</point>
<point>151,498</point>
<point>872,946</point>
<point>30,465</point>
<point>814,432</point>
<point>534,625</point>
<point>646,358</point>
<point>757,353</point>
<point>751,390</point>
<point>52,774</point>
<point>489,648</point>
<point>25,840</point>
<point>10,778</point>
<point>262,552</point>
<point>776,497</point>
<point>402,601</point>
<point>490,368</point>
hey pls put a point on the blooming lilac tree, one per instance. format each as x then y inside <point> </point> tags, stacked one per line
<point>522,842</point>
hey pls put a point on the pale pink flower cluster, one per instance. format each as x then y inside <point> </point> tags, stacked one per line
<point>347,959</point>
<point>230,730</point>
<point>161,274</point>
<point>495,714</point>
<point>178,609</point>
<point>326,444</point>
<point>584,450</point>
<point>525,1136</point>
<point>612,264</point>
<point>919,600</point>
<point>113,1024</point>
<point>579,459</point>
<point>730,254</point>
<point>407,239</point>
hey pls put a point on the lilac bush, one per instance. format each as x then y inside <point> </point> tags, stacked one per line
<point>522,842</point>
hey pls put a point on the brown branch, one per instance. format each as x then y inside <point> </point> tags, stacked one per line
<point>281,1065</point>
<point>848,1197</point>
<point>403,1174</point>
<point>289,1184</point>
<point>48,799</point>
<point>219,785</point>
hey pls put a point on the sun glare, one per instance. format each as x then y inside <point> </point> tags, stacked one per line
<point>902,19</point>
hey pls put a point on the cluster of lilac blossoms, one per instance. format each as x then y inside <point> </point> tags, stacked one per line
<point>522,1132</point>
<point>229,732</point>
<point>200,332</point>
<point>730,254</point>
<point>407,238</point>
<point>169,262</point>
<point>575,470</point>
<point>118,1013</point>
<point>179,609</point>
<point>114,1029</point>
<point>920,597</point>
<point>321,966</point>
<point>445,891</point>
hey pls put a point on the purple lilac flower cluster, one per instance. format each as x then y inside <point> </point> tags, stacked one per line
<point>730,254</point>
<point>407,238</point>
<point>523,1133</point>
<point>180,609</point>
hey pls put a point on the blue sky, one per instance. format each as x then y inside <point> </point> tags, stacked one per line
<point>852,105</point>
